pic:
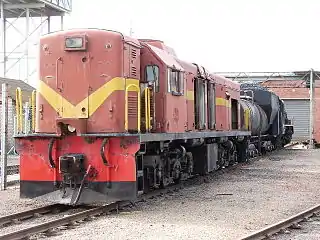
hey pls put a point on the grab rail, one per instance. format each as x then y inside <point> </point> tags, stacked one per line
<point>147,100</point>
<point>33,110</point>
<point>19,109</point>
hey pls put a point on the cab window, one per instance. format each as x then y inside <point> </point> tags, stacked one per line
<point>152,76</point>
<point>175,82</point>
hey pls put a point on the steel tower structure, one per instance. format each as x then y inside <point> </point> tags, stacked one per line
<point>23,21</point>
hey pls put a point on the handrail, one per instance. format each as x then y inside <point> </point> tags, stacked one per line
<point>134,88</point>
<point>147,100</point>
<point>19,108</point>
<point>247,118</point>
<point>33,110</point>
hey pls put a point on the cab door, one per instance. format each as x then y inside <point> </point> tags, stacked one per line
<point>72,81</point>
<point>175,103</point>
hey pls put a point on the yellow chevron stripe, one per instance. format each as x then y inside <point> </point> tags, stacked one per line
<point>223,102</point>
<point>92,102</point>
<point>190,95</point>
<point>219,101</point>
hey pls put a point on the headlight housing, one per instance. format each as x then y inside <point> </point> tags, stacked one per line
<point>74,43</point>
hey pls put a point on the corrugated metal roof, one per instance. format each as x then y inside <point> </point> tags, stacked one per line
<point>288,83</point>
<point>284,83</point>
<point>13,84</point>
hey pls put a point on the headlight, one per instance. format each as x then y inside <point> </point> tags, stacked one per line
<point>74,42</point>
<point>71,128</point>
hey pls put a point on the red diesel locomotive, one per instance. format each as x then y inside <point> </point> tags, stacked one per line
<point>118,116</point>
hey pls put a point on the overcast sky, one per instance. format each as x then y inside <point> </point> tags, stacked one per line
<point>222,35</point>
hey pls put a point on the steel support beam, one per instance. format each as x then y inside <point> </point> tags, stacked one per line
<point>27,43</point>
<point>3,38</point>
<point>62,23</point>
<point>58,7</point>
<point>23,6</point>
<point>29,11</point>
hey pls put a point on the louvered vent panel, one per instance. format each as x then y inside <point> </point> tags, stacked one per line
<point>152,113</point>
<point>133,71</point>
<point>133,53</point>
<point>132,106</point>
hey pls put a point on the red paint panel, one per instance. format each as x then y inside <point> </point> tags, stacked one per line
<point>120,152</point>
<point>45,116</point>
<point>175,113</point>
<point>77,74</point>
<point>109,117</point>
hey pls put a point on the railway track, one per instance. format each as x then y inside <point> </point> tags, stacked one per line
<point>13,218</point>
<point>87,214</point>
<point>70,220</point>
<point>267,232</point>
<point>91,212</point>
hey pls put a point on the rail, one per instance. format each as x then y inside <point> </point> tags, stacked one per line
<point>269,231</point>
<point>29,213</point>
<point>147,100</point>
<point>132,88</point>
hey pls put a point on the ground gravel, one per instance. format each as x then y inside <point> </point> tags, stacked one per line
<point>309,230</point>
<point>226,206</point>
<point>10,202</point>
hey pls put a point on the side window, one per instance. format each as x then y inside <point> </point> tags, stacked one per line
<point>152,76</point>
<point>175,82</point>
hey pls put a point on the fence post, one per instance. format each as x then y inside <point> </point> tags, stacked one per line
<point>4,136</point>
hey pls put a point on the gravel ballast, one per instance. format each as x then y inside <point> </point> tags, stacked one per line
<point>226,206</point>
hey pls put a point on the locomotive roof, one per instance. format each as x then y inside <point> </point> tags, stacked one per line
<point>127,39</point>
<point>167,58</point>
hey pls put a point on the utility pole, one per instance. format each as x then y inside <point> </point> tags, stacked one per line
<point>131,29</point>
<point>4,136</point>
<point>311,144</point>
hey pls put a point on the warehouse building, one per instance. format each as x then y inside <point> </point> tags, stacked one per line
<point>26,93</point>
<point>291,88</point>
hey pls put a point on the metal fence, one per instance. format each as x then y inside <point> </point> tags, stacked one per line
<point>17,117</point>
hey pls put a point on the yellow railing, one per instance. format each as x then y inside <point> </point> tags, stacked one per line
<point>25,114</point>
<point>132,88</point>
<point>147,100</point>
<point>19,109</point>
<point>33,110</point>
<point>247,119</point>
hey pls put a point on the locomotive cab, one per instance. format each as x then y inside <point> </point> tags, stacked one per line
<point>168,108</point>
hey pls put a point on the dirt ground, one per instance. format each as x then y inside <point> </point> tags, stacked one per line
<point>228,206</point>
